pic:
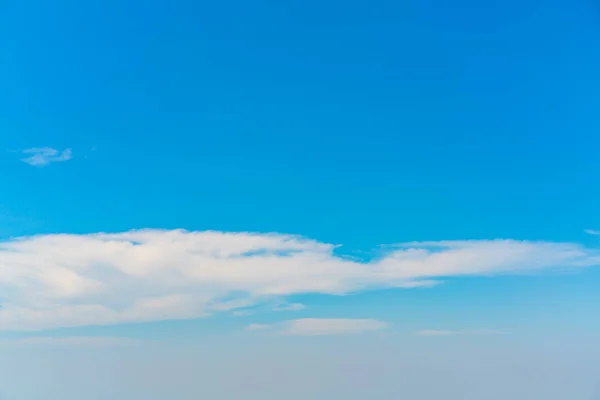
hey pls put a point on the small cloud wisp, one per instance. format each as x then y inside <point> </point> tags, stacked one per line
<point>42,156</point>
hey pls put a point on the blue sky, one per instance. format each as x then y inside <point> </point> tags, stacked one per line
<point>417,177</point>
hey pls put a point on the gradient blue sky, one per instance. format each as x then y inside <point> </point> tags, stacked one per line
<point>359,124</point>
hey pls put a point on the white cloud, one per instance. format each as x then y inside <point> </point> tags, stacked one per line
<point>41,156</point>
<point>289,307</point>
<point>64,280</point>
<point>437,332</point>
<point>321,326</point>
<point>592,232</point>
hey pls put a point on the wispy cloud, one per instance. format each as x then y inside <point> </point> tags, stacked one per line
<point>258,327</point>
<point>592,232</point>
<point>41,156</point>
<point>321,326</point>
<point>437,332</point>
<point>63,280</point>
<point>242,313</point>
<point>289,307</point>
<point>84,341</point>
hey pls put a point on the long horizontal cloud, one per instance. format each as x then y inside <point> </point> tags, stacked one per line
<point>79,341</point>
<point>97,279</point>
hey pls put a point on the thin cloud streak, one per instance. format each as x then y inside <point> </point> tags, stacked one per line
<point>78,341</point>
<point>320,327</point>
<point>289,307</point>
<point>438,332</point>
